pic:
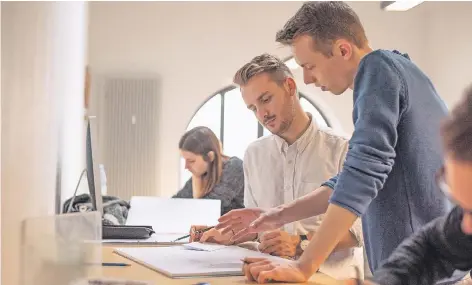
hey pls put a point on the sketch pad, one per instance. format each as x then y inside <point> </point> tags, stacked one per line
<point>173,216</point>
<point>179,262</point>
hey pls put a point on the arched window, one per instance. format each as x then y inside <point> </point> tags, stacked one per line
<point>235,126</point>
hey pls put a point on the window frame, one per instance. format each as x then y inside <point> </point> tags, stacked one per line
<point>260,128</point>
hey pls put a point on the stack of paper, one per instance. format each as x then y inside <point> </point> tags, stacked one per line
<point>194,260</point>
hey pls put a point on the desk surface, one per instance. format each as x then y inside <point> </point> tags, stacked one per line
<point>139,272</point>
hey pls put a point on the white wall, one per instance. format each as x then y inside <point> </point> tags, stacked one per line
<point>196,55</point>
<point>449,47</point>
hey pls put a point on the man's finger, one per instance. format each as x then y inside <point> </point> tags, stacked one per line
<point>241,234</point>
<point>256,268</point>
<point>267,276</point>
<point>231,215</point>
<point>227,223</point>
<point>232,229</point>
<point>207,235</point>
<point>257,223</point>
<point>270,235</point>
<point>274,249</point>
<point>247,273</point>
<point>269,243</point>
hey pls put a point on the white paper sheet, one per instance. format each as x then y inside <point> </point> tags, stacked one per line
<point>204,246</point>
<point>176,261</point>
<point>173,216</point>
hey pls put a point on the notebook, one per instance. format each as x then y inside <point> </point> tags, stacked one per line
<point>173,216</point>
<point>182,262</point>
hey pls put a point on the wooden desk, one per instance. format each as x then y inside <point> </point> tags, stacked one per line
<point>139,272</point>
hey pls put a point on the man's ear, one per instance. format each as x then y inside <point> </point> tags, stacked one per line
<point>292,86</point>
<point>211,156</point>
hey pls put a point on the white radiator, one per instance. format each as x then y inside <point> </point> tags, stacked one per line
<point>129,120</point>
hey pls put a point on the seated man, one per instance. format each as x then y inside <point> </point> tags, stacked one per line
<point>295,160</point>
<point>445,244</point>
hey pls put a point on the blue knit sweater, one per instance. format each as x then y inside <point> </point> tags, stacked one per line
<point>394,153</point>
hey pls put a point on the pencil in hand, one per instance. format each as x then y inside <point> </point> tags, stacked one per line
<point>197,232</point>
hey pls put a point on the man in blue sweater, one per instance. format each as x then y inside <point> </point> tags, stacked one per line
<point>388,176</point>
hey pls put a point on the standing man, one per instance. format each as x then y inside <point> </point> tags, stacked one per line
<point>394,153</point>
<point>290,163</point>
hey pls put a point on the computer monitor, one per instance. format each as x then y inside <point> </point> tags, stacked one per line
<point>93,171</point>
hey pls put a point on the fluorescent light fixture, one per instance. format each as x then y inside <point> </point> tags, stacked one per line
<point>292,64</point>
<point>402,5</point>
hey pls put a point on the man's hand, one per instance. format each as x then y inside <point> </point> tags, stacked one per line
<point>279,243</point>
<point>247,221</point>
<point>263,270</point>
<point>215,236</point>
<point>195,233</point>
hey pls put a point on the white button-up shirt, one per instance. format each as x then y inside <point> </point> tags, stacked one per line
<point>276,173</point>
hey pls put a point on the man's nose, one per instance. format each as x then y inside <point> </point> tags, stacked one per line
<point>261,114</point>
<point>307,78</point>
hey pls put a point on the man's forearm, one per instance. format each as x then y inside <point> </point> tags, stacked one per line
<point>348,241</point>
<point>312,204</point>
<point>326,238</point>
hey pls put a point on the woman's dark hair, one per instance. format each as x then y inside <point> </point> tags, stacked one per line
<point>456,130</point>
<point>201,141</point>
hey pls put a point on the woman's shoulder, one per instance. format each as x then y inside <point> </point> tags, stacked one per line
<point>233,162</point>
<point>233,165</point>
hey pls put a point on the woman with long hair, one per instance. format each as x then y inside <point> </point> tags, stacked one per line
<point>214,175</point>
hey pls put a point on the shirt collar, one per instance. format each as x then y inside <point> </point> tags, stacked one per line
<point>302,142</point>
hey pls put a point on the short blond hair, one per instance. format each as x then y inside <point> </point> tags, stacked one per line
<point>264,63</point>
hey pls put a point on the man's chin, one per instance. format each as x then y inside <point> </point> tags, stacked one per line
<point>273,131</point>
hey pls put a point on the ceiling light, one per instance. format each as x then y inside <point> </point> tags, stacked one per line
<point>402,5</point>
<point>292,64</point>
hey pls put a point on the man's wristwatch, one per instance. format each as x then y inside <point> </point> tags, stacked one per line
<point>303,242</point>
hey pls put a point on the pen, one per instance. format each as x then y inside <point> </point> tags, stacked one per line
<point>114,264</point>
<point>201,231</point>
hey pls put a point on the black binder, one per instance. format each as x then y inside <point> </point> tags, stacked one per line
<point>126,232</point>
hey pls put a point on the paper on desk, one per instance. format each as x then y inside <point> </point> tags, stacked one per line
<point>108,281</point>
<point>167,215</point>
<point>177,262</point>
<point>203,246</point>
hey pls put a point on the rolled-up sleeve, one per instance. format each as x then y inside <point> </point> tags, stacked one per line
<point>377,109</point>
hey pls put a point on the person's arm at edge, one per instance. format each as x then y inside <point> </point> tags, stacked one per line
<point>429,255</point>
<point>377,110</point>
